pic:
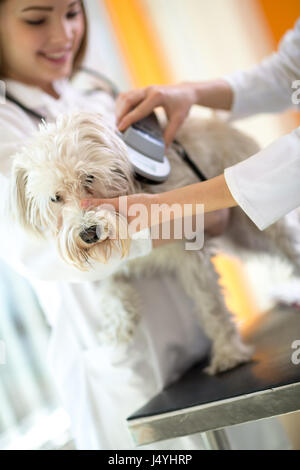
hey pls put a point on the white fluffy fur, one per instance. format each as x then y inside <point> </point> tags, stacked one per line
<point>79,156</point>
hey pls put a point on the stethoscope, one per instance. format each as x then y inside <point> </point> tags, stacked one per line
<point>29,111</point>
<point>141,166</point>
<point>113,89</point>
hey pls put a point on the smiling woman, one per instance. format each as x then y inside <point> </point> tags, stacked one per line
<point>41,41</point>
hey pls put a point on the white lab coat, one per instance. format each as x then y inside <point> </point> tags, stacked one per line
<point>99,387</point>
<point>266,185</point>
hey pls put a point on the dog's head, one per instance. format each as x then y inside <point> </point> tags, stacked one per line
<point>78,156</point>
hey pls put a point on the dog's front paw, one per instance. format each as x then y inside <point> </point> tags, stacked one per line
<point>229,356</point>
<point>115,334</point>
<point>119,313</point>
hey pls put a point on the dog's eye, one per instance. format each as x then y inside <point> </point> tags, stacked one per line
<point>57,198</point>
<point>89,179</point>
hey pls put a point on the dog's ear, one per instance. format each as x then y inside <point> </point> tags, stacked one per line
<point>21,206</point>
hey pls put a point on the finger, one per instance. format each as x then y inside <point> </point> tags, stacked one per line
<point>87,203</point>
<point>141,111</point>
<point>127,101</point>
<point>172,128</point>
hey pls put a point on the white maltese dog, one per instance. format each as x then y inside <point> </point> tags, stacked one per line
<point>81,156</point>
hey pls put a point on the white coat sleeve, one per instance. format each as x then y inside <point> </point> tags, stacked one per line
<point>271,86</point>
<point>39,258</point>
<point>267,185</point>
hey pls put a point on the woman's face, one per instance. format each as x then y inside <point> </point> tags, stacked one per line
<point>39,39</point>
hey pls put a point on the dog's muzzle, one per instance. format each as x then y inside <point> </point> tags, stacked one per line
<point>91,234</point>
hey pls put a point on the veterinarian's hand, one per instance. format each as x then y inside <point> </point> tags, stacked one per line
<point>124,204</point>
<point>176,100</point>
<point>212,194</point>
<point>215,222</point>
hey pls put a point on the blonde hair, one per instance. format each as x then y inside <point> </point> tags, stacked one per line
<point>79,55</point>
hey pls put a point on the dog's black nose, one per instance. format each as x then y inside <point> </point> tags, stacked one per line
<point>91,234</point>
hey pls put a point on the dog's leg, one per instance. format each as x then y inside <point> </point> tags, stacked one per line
<point>200,281</point>
<point>119,311</point>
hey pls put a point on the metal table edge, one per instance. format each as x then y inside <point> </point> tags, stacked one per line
<point>216,415</point>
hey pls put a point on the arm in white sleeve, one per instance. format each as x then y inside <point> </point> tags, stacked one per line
<point>267,185</point>
<point>39,258</point>
<point>268,87</point>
